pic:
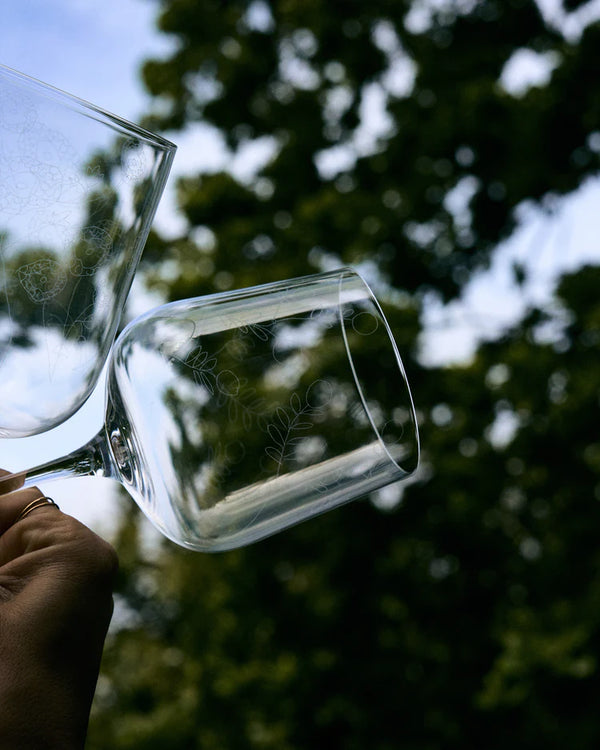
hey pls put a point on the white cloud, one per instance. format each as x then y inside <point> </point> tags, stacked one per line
<point>526,69</point>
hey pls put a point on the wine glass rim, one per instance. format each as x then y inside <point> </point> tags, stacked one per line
<point>405,471</point>
<point>85,107</point>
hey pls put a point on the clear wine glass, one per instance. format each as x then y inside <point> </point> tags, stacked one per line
<point>232,416</point>
<point>78,191</point>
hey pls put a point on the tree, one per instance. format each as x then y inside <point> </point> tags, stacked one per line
<point>466,614</point>
<point>304,76</point>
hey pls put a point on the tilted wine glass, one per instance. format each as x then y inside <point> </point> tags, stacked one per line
<point>78,190</point>
<point>232,416</point>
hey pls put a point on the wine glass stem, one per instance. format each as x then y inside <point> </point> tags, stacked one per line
<point>93,459</point>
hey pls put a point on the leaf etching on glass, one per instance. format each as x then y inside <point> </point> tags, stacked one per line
<point>262,331</point>
<point>202,365</point>
<point>288,428</point>
<point>242,402</point>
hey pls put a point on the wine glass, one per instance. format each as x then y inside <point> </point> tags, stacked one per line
<point>78,191</point>
<point>232,416</point>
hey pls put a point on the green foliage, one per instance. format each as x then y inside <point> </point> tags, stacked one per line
<point>301,75</point>
<point>467,614</point>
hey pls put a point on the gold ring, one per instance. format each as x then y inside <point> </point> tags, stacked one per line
<point>40,502</point>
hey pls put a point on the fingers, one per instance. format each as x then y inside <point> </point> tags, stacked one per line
<point>14,503</point>
<point>36,521</point>
<point>37,504</point>
<point>10,482</point>
<point>30,525</point>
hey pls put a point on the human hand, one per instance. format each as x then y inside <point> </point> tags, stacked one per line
<point>56,583</point>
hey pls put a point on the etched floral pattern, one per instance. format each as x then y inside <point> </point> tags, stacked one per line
<point>42,280</point>
<point>95,246</point>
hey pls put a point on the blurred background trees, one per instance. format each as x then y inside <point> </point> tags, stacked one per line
<point>462,609</point>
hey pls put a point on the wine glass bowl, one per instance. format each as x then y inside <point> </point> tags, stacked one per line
<point>233,416</point>
<point>78,190</point>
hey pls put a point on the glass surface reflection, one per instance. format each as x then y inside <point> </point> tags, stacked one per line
<point>78,190</point>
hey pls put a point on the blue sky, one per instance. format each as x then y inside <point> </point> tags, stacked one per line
<point>92,50</point>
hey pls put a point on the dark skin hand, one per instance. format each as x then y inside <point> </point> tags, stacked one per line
<point>56,586</point>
